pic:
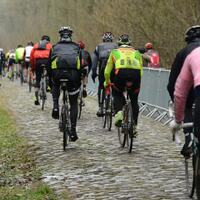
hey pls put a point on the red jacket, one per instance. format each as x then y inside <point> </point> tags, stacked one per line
<point>39,54</point>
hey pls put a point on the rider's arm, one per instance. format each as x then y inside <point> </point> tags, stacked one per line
<point>175,70</point>
<point>188,77</point>
<point>109,67</point>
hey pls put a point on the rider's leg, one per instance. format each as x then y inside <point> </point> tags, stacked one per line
<point>55,93</point>
<point>73,100</point>
<point>101,94</point>
<point>38,73</point>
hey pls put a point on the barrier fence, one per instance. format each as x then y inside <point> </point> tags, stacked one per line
<point>154,97</point>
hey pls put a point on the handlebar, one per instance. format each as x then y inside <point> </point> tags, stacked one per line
<point>183,125</point>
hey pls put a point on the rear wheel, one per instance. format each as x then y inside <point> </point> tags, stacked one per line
<point>43,93</point>
<point>122,137</point>
<point>130,127</point>
<point>80,103</point>
<point>108,113</point>
<point>64,126</point>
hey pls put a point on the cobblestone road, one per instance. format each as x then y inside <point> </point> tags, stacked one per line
<point>95,167</point>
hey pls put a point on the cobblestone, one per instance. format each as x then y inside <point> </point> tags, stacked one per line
<point>95,167</point>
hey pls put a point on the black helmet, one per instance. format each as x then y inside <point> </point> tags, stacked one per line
<point>30,43</point>
<point>192,33</point>
<point>19,46</point>
<point>107,37</point>
<point>65,30</point>
<point>124,40</point>
<point>45,37</point>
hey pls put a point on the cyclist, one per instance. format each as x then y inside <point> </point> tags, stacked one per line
<point>10,57</point>
<point>86,66</point>
<point>19,58</point>
<point>151,56</point>
<point>127,65</point>
<point>65,63</point>
<point>27,54</point>
<point>100,57</point>
<point>192,37</point>
<point>40,56</point>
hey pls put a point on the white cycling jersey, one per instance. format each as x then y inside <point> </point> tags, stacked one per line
<point>28,53</point>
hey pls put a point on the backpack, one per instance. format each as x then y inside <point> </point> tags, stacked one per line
<point>104,50</point>
<point>67,56</point>
<point>42,45</point>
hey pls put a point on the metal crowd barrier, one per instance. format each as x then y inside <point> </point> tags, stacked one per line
<point>153,98</point>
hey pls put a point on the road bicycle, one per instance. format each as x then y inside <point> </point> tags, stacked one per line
<point>127,130</point>
<point>64,123</point>
<point>192,164</point>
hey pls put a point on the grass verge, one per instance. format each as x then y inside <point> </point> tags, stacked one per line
<point>19,177</point>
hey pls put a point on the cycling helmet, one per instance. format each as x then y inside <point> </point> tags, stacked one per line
<point>124,40</point>
<point>192,33</point>
<point>107,37</point>
<point>30,43</point>
<point>65,30</point>
<point>148,45</point>
<point>19,46</point>
<point>45,37</point>
<point>81,44</point>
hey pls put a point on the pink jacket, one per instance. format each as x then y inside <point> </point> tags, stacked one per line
<point>188,77</point>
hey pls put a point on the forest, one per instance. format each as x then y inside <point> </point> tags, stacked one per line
<point>162,22</point>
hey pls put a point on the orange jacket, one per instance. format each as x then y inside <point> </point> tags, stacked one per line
<point>39,54</point>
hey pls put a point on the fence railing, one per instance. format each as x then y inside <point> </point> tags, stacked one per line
<point>154,97</point>
<point>154,87</point>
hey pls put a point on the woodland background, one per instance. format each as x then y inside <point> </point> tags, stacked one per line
<point>162,22</point>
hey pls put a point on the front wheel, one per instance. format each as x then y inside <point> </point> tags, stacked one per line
<point>190,175</point>
<point>64,126</point>
<point>197,176</point>
<point>122,137</point>
<point>130,127</point>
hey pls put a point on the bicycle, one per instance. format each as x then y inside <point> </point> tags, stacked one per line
<point>127,131</point>
<point>43,86</point>
<point>64,123</point>
<point>109,109</point>
<point>192,165</point>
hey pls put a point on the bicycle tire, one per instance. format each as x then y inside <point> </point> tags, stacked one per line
<point>197,176</point>
<point>43,98</point>
<point>102,106</point>
<point>80,104</point>
<point>130,124</point>
<point>43,93</point>
<point>121,137</point>
<point>191,185</point>
<point>108,113</point>
<point>64,124</point>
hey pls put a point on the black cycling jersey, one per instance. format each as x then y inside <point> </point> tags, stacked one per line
<point>176,68</point>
